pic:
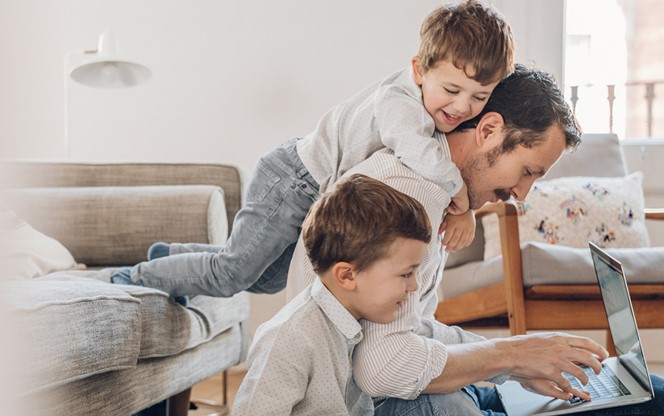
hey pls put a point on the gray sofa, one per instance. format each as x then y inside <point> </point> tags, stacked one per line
<point>87,347</point>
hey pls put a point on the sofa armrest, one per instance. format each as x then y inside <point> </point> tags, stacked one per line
<point>114,226</point>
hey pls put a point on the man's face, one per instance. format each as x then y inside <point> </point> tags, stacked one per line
<point>492,176</point>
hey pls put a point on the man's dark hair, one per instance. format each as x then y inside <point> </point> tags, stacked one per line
<point>530,102</point>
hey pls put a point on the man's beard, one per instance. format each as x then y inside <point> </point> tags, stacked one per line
<point>474,169</point>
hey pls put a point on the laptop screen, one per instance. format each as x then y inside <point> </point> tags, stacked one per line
<point>620,314</point>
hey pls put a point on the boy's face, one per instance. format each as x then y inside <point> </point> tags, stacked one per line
<point>449,95</point>
<point>383,287</point>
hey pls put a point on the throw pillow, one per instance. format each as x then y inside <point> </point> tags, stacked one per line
<point>571,211</point>
<point>26,252</point>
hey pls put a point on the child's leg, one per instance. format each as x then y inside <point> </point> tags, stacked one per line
<point>278,198</point>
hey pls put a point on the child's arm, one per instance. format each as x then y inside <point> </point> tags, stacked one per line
<point>460,202</point>
<point>459,230</point>
<point>407,129</point>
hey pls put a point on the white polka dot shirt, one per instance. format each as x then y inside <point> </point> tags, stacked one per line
<point>300,361</point>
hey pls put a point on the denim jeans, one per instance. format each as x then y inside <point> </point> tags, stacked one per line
<point>473,400</point>
<point>257,254</point>
<point>470,400</point>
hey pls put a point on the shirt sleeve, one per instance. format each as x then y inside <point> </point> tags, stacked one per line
<point>396,364</point>
<point>407,129</point>
<point>277,377</point>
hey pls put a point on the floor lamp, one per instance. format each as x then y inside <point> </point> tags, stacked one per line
<point>103,67</point>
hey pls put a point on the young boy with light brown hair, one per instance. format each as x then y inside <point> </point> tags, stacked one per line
<point>465,50</point>
<point>365,241</point>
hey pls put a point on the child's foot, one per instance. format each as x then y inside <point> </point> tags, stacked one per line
<point>122,276</point>
<point>158,250</point>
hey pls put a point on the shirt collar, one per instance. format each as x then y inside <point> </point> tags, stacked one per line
<point>336,312</point>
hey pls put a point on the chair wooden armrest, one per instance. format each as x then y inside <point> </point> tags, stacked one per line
<point>508,226</point>
<point>654,213</point>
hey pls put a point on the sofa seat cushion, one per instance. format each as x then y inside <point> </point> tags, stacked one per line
<point>112,326</point>
<point>71,329</point>
<point>546,264</point>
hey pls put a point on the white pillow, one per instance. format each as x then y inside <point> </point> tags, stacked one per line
<point>571,211</point>
<point>28,253</point>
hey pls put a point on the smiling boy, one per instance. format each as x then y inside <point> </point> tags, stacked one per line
<point>365,241</point>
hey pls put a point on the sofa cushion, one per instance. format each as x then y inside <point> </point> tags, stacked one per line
<point>77,324</point>
<point>571,211</point>
<point>72,328</point>
<point>115,225</point>
<point>544,264</point>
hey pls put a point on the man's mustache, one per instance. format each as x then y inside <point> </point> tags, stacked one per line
<point>502,194</point>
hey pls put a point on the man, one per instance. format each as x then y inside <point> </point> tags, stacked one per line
<point>524,129</point>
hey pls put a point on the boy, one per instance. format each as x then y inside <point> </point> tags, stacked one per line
<point>365,241</point>
<point>465,50</point>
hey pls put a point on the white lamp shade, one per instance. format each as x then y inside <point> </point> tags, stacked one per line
<point>104,73</point>
<point>106,68</point>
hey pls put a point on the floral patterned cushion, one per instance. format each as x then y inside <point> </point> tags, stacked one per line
<point>571,211</point>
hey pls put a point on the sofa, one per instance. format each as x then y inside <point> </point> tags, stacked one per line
<point>82,346</point>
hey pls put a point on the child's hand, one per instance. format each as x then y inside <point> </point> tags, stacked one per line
<point>459,230</point>
<point>460,202</point>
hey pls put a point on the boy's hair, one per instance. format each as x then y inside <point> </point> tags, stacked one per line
<point>473,36</point>
<point>357,222</point>
<point>530,102</point>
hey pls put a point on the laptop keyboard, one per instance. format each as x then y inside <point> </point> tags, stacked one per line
<point>604,385</point>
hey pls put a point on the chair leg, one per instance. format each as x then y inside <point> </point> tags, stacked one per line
<point>178,405</point>
<point>221,409</point>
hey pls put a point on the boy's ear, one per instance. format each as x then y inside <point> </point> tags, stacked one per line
<point>344,275</point>
<point>489,128</point>
<point>417,69</point>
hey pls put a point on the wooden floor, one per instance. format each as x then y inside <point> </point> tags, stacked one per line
<point>210,389</point>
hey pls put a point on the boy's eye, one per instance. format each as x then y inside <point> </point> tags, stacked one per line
<point>527,173</point>
<point>481,99</point>
<point>449,91</point>
<point>407,275</point>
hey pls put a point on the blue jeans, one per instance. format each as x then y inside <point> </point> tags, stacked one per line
<point>470,400</point>
<point>473,400</point>
<point>258,252</point>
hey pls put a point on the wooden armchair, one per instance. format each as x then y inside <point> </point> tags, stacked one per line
<point>523,306</point>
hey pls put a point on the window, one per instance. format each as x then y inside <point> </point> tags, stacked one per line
<point>614,65</point>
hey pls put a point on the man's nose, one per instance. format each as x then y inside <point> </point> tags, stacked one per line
<point>522,188</point>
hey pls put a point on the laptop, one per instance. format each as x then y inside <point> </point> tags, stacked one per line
<point>624,379</point>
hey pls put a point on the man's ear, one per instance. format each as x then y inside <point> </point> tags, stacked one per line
<point>417,69</point>
<point>344,275</point>
<point>488,129</point>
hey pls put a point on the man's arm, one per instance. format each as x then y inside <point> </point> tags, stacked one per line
<point>536,360</point>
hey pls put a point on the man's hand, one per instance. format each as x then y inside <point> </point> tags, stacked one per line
<point>547,388</point>
<point>460,202</point>
<point>544,357</point>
